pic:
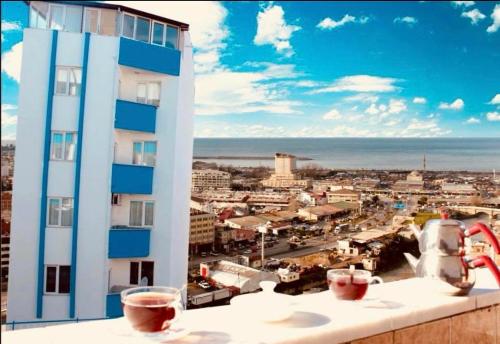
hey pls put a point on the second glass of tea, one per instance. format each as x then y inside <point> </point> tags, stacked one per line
<point>349,284</point>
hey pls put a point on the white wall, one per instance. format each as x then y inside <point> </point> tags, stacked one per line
<point>95,187</point>
<point>28,175</point>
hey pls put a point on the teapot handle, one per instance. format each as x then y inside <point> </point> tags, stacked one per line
<point>485,260</point>
<point>481,227</point>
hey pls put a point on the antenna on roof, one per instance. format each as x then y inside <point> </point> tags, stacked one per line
<point>424,163</point>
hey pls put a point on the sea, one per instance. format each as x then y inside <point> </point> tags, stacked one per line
<point>442,154</point>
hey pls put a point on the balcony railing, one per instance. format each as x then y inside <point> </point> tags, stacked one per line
<point>114,305</point>
<point>128,242</point>
<point>149,57</point>
<point>132,179</point>
<point>135,116</point>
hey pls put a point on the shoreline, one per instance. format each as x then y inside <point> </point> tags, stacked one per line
<point>236,157</point>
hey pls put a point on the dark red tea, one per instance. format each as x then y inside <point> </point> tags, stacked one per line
<point>348,287</point>
<point>149,311</point>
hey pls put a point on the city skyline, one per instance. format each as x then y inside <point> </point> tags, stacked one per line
<point>325,69</point>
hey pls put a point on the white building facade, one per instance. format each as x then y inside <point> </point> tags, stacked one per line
<point>103,159</point>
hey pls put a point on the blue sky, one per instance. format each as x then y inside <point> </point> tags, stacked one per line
<point>307,69</point>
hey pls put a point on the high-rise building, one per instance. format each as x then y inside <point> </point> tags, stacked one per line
<point>284,176</point>
<point>103,159</point>
<point>210,180</point>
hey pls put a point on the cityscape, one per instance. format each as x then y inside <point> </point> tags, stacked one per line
<point>130,161</point>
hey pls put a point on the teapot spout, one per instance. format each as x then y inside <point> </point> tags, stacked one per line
<point>412,261</point>
<point>416,231</point>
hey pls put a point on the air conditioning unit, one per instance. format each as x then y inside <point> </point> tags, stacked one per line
<point>116,199</point>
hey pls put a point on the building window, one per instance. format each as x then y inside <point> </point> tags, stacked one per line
<point>91,20</point>
<point>60,212</point>
<point>141,273</point>
<point>63,146</point>
<point>141,213</point>
<point>172,37</point>
<point>158,33</point>
<point>142,27</point>
<point>57,279</point>
<point>68,81</point>
<point>100,21</point>
<point>67,18</point>
<point>144,153</point>
<point>128,26</point>
<point>38,14</point>
<point>148,93</point>
<point>56,17</point>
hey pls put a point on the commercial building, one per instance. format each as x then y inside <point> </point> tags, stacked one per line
<point>103,159</point>
<point>320,213</point>
<point>413,183</point>
<point>458,189</point>
<point>284,176</point>
<point>201,231</point>
<point>210,180</point>
<point>343,195</point>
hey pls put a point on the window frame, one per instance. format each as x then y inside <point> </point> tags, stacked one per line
<point>84,20</point>
<point>151,31</point>
<point>147,85</point>
<point>57,279</point>
<point>139,272</point>
<point>69,70</point>
<point>164,37</point>
<point>64,144</point>
<point>143,213</point>
<point>178,37</point>
<point>59,212</point>
<point>64,26</point>
<point>143,145</point>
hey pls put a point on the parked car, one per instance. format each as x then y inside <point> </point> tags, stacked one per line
<point>204,285</point>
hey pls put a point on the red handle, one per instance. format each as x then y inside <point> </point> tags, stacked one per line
<point>481,227</point>
<point>485,260</point>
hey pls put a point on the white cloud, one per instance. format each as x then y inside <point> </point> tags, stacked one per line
<point>410,21</point>
<point>474,15</point>
<point>495,100</point>
<point>462,3</point>
<point>473,120</point>
<point>10,26</point>
<point>457,104</point>
<point>394,107</point>
<point>9,121</point>
<point>359,83</point>
<point>495,15</point>
<point>362,97</point>
<point>273,29</point>
<point>11,61</point>
<point>427,128</point>
<point>332,114</point>
<point>330,24</point>
<point>493,116</point>
<point>419,100</point>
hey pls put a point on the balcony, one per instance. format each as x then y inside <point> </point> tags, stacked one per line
<point>113,305</point>
<point>128,242</point>
<point>135,116</point>
<point>132,179</point>
<point>149,57</point>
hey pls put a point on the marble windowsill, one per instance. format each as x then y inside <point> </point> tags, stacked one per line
<point>319,318</point>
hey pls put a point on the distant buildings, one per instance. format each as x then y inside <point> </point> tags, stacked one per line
<point>201,231</point>
<point>414,182</point>
<point>210,180</point>
<point>284,176</point>
<point>343,195</point>
<point>458,189</point>
<point>320,213</point>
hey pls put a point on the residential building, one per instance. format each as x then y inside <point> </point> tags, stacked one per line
<point>210,180</point>
<point>343,195</point>
<point>201,231</point>
<point>103,159</point>
<point>458,189</point>
<point>284,176</point>
<point>312,199</point>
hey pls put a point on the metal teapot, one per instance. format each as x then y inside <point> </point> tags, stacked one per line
<point>443,259</point>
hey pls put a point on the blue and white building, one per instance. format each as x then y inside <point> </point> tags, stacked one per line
<point>103,159</point>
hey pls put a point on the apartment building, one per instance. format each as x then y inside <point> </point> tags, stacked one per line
<point>103,159</point>
<point>284,176</point>
<point>210,179</point>
<point>201,231</point>
<point>343,195</point>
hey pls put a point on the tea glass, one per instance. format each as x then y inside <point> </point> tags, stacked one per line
<point>348,284</point>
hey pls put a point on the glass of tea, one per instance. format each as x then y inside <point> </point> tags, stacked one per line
<point>349,284</point>
<point>152,310</point>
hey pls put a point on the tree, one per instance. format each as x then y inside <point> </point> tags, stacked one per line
<point>422,200</point>
<point>375,199</point>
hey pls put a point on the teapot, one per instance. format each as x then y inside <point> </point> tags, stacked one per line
<point>443,259</point>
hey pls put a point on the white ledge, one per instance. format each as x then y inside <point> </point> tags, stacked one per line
<point>319,318</point>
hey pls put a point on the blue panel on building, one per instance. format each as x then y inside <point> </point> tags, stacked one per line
<point>149,57</point>
<point>135,116</point>
<point>114,305</point>
<point>132,179</point>
<point>129,243</point>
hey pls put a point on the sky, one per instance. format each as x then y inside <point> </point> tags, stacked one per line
<point>324,69</point>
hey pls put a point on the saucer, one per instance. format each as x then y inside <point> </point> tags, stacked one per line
<point>176,331</point>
